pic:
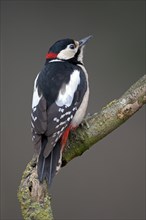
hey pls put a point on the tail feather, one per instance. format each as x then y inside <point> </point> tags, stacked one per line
<point>41,160</point>
<point>47,167</point>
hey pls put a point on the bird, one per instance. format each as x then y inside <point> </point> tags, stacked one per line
<point>59,103</point>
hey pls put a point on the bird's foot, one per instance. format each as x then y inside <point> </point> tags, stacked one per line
<point>85,121</point>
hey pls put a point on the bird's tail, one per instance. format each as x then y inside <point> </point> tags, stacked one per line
<point>48,167</point>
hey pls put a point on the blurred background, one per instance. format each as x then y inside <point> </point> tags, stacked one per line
<point>108,181</point>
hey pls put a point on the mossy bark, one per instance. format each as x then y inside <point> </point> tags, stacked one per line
<point>98,125</point>
<point>33,196</point>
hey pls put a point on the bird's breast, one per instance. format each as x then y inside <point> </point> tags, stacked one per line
<point>80,113</point>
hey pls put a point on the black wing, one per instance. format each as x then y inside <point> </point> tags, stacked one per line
<point>54,104</point>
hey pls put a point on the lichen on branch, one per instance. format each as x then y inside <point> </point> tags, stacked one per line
<point>98,125</point>
<point>34,197</point>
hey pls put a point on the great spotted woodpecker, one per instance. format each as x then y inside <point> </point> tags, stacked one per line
<point>60,98</point>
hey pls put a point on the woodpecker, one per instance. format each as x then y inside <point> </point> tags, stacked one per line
<point>59,103</point>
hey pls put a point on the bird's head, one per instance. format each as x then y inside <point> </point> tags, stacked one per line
<point>68,49</point>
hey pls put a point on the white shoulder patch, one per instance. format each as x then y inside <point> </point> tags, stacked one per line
<point>36,98</point>
<point>66,97</point>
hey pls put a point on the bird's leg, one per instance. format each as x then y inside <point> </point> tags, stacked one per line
<point>85,121</point>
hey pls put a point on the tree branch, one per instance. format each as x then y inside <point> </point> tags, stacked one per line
<point>34,197</point>
<point>99,125</point>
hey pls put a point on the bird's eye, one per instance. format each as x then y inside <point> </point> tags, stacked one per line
<point>72,46</point>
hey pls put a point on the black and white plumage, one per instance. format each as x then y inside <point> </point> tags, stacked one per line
<point>59,103</point>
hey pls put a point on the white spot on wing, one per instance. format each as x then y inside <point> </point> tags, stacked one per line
<point>56,119</point>
<point>33,137</point>
<point>63,115</point>
<point>32,124</point>
<point>61,110</point>
<point>56,140</point>
<point>58,132</point>
<point>34,118</point>
<point>68,113</point>
<point>74,109</point>
<point>68,119</point>
<point>54,135</point>
<point>62,128</point>
<point>61,123</point>
<point>67,97</point>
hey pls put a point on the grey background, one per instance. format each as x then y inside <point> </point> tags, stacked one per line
<point>108,181</point>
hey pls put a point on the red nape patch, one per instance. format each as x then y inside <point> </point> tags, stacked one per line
<point>51,55</point>
<point>65,137</point>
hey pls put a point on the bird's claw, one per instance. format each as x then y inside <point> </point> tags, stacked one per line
<point>85,121</point>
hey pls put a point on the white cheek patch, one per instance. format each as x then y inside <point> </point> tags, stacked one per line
<point>67,53</point>
<point>36,97</point>
<point>67,96</point>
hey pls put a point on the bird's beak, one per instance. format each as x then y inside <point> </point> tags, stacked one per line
<point>84,40</point>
